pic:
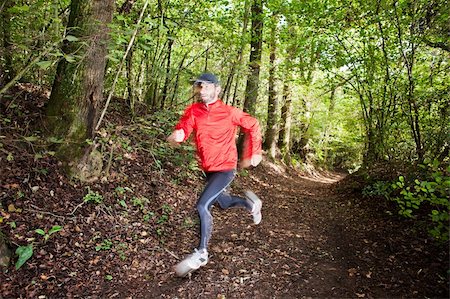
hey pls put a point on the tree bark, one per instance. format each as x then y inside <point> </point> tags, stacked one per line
<point>76,94</point>
<point>285,131</point>
<point>251,90</point>
<point>8,72</point>
<point>129,67</point>
<point>270,142</point>
<point>167,73</point>
<point>238,60</point>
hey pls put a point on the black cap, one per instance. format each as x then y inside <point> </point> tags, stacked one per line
<point>207,78</point>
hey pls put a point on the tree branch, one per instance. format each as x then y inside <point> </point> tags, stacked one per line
<point>440,45</point>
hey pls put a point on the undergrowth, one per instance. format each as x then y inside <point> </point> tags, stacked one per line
<point>427,194</point>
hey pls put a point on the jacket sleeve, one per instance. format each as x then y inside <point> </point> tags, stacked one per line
<point>186,122</point>
<point>250,126</point>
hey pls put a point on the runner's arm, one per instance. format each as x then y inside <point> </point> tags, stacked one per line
<point>183,129</point>
<point>252,151</point>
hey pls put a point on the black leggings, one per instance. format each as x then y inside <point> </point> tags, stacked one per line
<point>215,191</point>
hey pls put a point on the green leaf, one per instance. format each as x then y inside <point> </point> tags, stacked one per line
<point>40,231</point>
<point>72,38</point>
<point>69,58</point>
<point>55,140</point>
<point>44,64</point>
<point>31,138</point>
<point>18,9</point>
<point>54,229</point>
<point>24,253</point>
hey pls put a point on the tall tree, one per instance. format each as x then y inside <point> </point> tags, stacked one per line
<point>284,139</point>
<point>239,55</point>
<point>270,142</point>
<point>7,46</point>
<point>251,90</point>
<point>77,89</point>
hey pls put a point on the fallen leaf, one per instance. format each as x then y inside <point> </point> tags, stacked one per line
<point>11,208</point>
<point>352,272</point>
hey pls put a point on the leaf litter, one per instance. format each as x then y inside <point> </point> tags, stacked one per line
<point>318,239</point>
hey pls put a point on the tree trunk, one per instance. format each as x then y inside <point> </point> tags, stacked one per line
<point>285,132</point>
<point>409,59</point>
<point>177,77</point>
<point>238,60</point>
<point>251,90</point>
<point>326,132</point>
<point>76,96</point>
<point>270,142</point>
<point>167,73</point>
<point>129,67</point>
<point>8,72</point>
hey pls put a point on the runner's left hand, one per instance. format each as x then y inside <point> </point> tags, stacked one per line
<point>253,161</point>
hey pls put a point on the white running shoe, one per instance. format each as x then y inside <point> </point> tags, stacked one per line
<point>256,204</point>
<point>192,262</point>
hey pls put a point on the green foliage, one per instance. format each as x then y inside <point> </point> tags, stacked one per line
<point>413,194</point>
<point>139,202</point>
<point>147,216</point>
<point>429,194</point>
<point>379,188</point>
<point>24,253</point>
<point>104,245</point>
<point>188,222</point>
<point>92,196</point>
<point>46,235</point>
<point>434,190</point>
<point>120,249</point>
<point>122,197</point>
<point>351,52</point>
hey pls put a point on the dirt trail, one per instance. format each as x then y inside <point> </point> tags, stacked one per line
<point>318,238</point>
<point>313,242</point>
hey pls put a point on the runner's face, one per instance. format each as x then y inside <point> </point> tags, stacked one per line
<point>208,92</point>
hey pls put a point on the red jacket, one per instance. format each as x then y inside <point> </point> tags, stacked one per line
<point>215,129</point>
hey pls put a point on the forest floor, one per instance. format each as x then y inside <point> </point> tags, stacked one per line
<point>319,237</point>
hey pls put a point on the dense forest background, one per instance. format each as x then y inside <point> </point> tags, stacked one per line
<point>336,84</point>
<point>360,87</point>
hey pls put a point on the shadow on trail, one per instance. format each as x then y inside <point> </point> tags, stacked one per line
<point>313,242</point>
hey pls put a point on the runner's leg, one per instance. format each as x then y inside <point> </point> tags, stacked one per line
<point>217,182</point>
<point>226,201</point>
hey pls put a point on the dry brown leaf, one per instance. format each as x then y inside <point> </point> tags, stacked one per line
<point>11,208</point>
<point>352,272</point>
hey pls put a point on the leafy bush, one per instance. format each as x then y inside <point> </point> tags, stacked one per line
<point>434,189</point>
<point>428,194</point>
<point>379,188</point>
